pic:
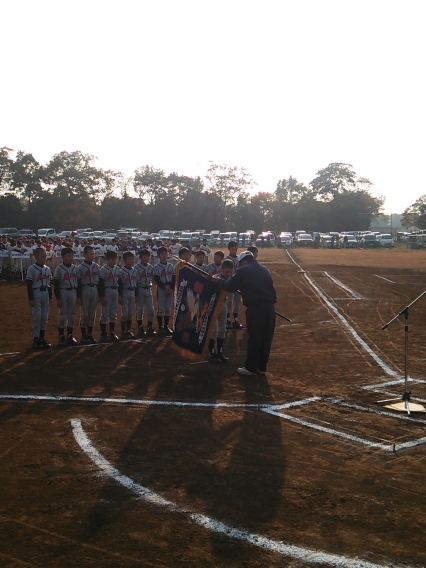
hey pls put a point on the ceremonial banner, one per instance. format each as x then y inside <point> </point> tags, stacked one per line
<point>197,304</point>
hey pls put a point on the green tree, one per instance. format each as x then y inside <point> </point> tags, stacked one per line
<point>291,191</point>
<point>6,169</point>
<point>27,177</point>
<point>227,182</point>
<point>149,184</point>
<point>415,214</point>
<point>336,178</point>
<point>11,213</point>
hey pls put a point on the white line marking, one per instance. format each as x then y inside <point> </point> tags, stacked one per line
<point>354,295</point>
<point>146,402</point>
<point>304,554</point>
<point>385,447</point>
<point>348,326</point>
<point>391,383</point>
<point>414,398</point>
<point>383,278</point>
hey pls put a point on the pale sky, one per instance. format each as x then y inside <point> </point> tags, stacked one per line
<point>279,87</point>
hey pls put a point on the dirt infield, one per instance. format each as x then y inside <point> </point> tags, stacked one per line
<point>89,482</point>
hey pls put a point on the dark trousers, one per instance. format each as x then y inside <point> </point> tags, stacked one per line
<point>260,321</point>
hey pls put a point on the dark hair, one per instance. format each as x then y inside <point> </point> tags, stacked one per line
<point>161,249</point>
<point>110,254</point>
<point>128,254</point>
<point>232,244</point>
<point>200,253</point>
<point>227,263</point>
<point>66,250</point>
<point>144,252</point>
<point>183,250</point>
<point>219,253</point>
<point>37,251</point>
<point>252,249</point>
<point>87,249</point>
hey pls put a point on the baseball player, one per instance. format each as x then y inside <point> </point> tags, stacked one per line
<point>110,289</point>
<point>39,297</point>
<point>145,273</point>
<point>199,260</point>
<point>219,329</point>
<point>164,277</point>
<point>214,267</point>
<point>88,280</point>
<point>185,254</point>
<point>234,298</point>
<point>129,276</point>
<point>65,290</point>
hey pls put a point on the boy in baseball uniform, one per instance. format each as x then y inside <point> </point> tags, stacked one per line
<point>199,260</point>
<point>214,267</point>
<point>129,276</point>
<point>145,273</point>
<point>219,330</point>
<point>65,290</point>
<point>185,254</point>
<point>39,297</point>
<point>109,289</point>
<point>164,277</point>
<point>87,291</point>
<point>234,298</point>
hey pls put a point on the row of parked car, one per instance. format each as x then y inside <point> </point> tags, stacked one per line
<point>350,239</point>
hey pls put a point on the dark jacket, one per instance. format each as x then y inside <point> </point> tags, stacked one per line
<point>254,282</point>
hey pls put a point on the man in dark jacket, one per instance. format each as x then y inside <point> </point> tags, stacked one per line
<point>254,282</point>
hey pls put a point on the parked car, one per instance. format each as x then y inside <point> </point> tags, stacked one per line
<point>387,240</point>
<point>304,240</point>
<point>25,234</point>
<point>370,241</point>
<point>100,234</point>
<point>350,242</point>
<point>47,233</point>
<point>285,239</point>
<point>109,237</point>
<point>9,232</point>
<point>244,239</point>
<point>325,241</point>
<point>266,239</point>
<point>79,231</point>
<point>65,234</point>
<point>87,235</point>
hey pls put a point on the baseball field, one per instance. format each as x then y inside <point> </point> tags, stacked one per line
<point>126,454</point>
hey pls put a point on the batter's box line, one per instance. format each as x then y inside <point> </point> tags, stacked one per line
<point>392,383</point>
<point>381,391</point>
<point>385,447</point>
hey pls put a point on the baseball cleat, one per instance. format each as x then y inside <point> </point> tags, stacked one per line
<point>71,341</point>
<point>36,343</point>
<point>237,325</point>
<point>244,371</point>
<point>151,331</point>
<point>168,331</point>
<point>222,357</point>
<point>62,341</point>
<point>228,324</point>
<point>141,332</point>
<point>91,339</point>
<point>259,372</point>
<point>129,334</point>
<point>214,359</point>
<point>105,339</point>
<point>114,337</point>
<point>43,344</point>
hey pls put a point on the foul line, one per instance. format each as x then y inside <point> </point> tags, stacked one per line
<point>348,326</point>
<point>354,295</point>
<point>383,278</point>
<point>305,554</point>
<point>145,402</point>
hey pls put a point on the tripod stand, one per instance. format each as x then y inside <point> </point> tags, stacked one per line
<point>407,393</point>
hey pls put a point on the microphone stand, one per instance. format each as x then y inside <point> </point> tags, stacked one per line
<point>406,396</point>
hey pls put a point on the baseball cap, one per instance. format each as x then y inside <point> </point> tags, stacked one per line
<point>245,254</point>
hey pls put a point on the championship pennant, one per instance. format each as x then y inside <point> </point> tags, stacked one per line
<point>197,304</point>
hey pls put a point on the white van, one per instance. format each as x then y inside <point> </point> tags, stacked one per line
<point>47,233</point>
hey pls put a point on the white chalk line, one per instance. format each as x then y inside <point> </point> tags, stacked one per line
<point>304,554</point>
<point>135,401</point>
<point>354,295</point>
<point>347,325</point>
<point>65,349</point>
<point>392,383</point>
<point>390,447</point>
<point>394,394</point>
<point>383,278</point>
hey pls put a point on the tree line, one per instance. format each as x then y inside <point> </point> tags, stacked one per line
<point>71,191</point>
